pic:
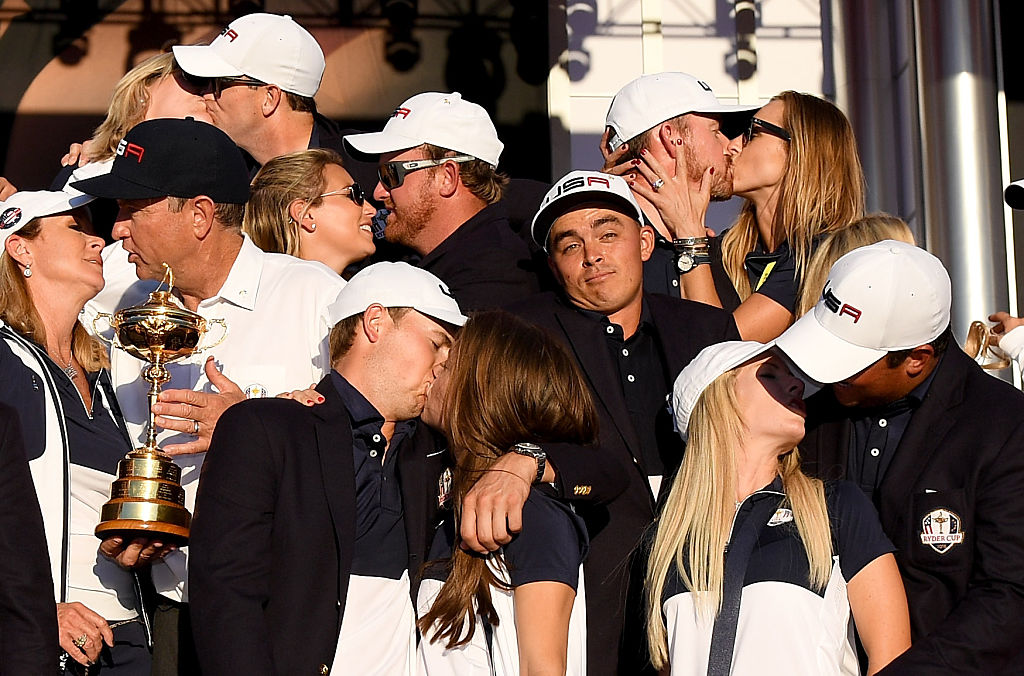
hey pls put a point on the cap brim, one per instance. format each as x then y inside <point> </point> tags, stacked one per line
<point>446,316</point>
<point>374,144</point>
<point>202,61</point>
<point>723,109</point>
<point>542,222</point>
<point>116,188</point>
<point>821,355</point>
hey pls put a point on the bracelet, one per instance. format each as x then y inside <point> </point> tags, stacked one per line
<point>691,242</point>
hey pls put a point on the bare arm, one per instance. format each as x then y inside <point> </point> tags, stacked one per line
<point>760,318</point>
<point>879,606</point>
<point>542,626</point>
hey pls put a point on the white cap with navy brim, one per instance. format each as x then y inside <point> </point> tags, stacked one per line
<point>579,187</point>
<point>24,206</point>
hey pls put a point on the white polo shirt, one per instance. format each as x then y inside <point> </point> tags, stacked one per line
<point>275,307</point>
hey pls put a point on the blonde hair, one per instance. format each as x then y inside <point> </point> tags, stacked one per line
<point>822,189</point>
<point>19,312</point>
<point>693,528</point>
<point>862,232</point>
<point>281,181</point>
<point>128,104</point>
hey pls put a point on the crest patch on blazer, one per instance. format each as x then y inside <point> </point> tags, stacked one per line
<point>941,530</point>
<point>255,391</point>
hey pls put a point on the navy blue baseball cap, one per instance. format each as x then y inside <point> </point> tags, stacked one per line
<point>176,158</point>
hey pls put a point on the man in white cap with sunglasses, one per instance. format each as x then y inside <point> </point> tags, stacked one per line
<point>437,164</point>
<point>671,128</point>
<point>936,443</point>
<point>259,77</point>
<point>312,523</point>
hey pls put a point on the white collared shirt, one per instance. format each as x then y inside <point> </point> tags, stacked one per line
<point>275,307</point>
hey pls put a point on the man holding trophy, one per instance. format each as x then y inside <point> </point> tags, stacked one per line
<point>182,187</point>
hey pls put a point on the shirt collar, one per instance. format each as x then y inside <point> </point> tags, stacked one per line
<point>243,282</point>
<point>360,410</point>
<point>600,318</point>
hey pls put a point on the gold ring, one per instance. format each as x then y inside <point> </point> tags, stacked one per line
<point>81,641</point>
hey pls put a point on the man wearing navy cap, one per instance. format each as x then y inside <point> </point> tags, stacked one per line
<point>630,345</point>
<point>182,186</point>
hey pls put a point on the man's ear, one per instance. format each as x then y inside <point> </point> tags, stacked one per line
<point>374,319</point>
<point>918,360</point>
<point>203,215</point>
<point>271,100</point>
<point>670,139</point>
<point>450,179</point>
<point>646,242</point>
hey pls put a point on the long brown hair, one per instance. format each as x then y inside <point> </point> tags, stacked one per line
<point>508,382</point>
<point>18,311</point>
<point>822,188</point>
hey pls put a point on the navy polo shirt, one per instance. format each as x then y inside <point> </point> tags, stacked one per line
<point>381,548</point>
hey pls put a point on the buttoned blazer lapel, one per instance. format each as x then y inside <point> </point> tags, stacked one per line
<point>591,351</point>
<point>925,433</point>
<point>419,468</point>
<point>333,431</point>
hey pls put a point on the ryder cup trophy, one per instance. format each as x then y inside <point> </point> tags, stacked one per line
<point>147,498</point>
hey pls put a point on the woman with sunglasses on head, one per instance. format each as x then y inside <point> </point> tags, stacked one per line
<point>521,610</point>
<point>306,204</point>
<point>754,567</point>
<point>797,168</point>
<point>55,375</point>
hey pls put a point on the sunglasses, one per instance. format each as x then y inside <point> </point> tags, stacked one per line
<point>353,192</point>
<point>392,174</point>
<point>757,126</point>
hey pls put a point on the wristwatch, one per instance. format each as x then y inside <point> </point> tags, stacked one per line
<point>688,260</point>
<point>534,451</point>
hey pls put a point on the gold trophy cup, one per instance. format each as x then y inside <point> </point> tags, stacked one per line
<point>147,498</point>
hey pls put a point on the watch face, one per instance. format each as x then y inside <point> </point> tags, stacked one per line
<point>684,262</point>
<point>527,446</point>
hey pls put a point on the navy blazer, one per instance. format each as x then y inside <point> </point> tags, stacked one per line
<point>963,452</point>
<point>274,530</point>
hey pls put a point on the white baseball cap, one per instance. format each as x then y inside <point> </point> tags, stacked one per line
<point>24,206</point>
<point>444,120</point>
<point>706,367</point>
<point>578,187</point>
<point>649,100</point>
<point>270,48</point>
<point>397,285</point>
<point>879,298</point>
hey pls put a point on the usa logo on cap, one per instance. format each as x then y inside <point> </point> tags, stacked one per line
<point>10,218</point>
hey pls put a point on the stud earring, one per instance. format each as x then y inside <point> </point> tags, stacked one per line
<point>28,271</point>
<point>312,226</point>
